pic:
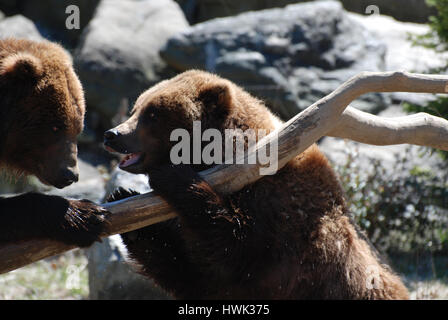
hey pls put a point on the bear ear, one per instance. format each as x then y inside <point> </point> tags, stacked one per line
<point>21,66</point>
<point>217,95</point>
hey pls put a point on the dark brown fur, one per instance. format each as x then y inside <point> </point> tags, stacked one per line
<point>42,111</point>
<point>286,236</point>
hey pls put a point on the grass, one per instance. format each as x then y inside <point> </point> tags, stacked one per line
<point>55,279</point>
<point>63,277</point>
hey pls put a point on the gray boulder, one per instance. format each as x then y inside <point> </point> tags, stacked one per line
<point>403,10</point>
<point>111,278</point>
<point>50,16</point>
<point>402,53</point>
<point>202,10</point>
<point>19,27</point>
<point>290,57</point>
<point>118,56</point>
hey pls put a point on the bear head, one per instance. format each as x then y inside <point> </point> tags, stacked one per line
<point>175,104</point>
<point>42,109</point>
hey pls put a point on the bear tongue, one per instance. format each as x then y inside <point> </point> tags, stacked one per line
<point>130,159</point>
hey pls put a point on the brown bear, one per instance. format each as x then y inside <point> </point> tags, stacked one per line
<point>42,113</point>
<point>286,236</point>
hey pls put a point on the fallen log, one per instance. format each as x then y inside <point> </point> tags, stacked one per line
<point>328,116</point>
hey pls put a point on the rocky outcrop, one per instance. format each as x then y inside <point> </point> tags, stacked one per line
<point>401,53</point>
<point>118,56</point>
<point>290,57</point>
<point>19,27</point>
<point>202,10</point>
<point>403,10</point>
<point>112,278</point>
<point>50,17</point>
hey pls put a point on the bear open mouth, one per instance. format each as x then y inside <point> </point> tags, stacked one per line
<point>131,159</point>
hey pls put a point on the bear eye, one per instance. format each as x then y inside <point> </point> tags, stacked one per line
<point>56,129</point>
<point>151,115</point>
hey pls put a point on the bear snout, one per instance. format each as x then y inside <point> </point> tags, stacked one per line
<point>66,177</point>
<point>111,135</point>
<point>70,175</point>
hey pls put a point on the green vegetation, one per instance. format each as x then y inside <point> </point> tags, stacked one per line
<point>401,211</point>
<point>61,277</point>
<point>436,39</point>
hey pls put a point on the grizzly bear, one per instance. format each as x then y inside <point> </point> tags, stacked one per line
<point>286,236</point>
<point>42,113</point>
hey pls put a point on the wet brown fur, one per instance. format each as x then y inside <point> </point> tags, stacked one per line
<point>286,236</point>
<point>42,112</point>
<point>39,94</point>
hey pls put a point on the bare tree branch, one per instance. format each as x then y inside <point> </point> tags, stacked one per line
<point>296,135</point>
<point>420,129</point>
<point>325,117</point>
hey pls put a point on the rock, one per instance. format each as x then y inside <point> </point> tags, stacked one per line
<point>401,53</point>
<point>110,274</point>
<point>403,10</point>
<point>10,7</point>
<point>50,16</point>
<point>290,57</point>
<point>19,27</point>
<point>111,278</point>
<point>118,57</point>
<point>202,10</point>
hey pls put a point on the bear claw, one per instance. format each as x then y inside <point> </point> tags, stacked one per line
<point>83,223</point>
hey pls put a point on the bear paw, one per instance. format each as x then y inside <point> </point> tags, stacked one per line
<point>82,224</point>
<point>121,193</point>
